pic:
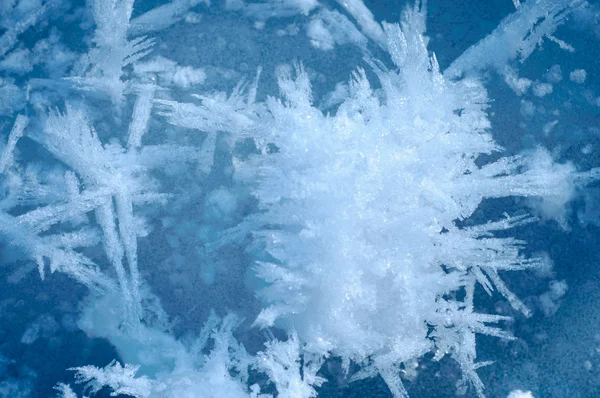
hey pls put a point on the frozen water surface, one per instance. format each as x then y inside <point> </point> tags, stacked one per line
<point>299,198</point>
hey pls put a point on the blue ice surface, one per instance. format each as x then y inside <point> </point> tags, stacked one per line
<point>550,353</point>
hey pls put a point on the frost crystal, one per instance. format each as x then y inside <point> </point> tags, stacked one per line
<point>349,221</point>
<point>578,76</point>
<point>360,210</point>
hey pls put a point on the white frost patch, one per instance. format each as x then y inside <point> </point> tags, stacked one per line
<point>527,108</point>
<point>319,36</point>
<point>365,20</point>
<point>31,334</point>
<point>541,89</point>
<point>6,157</point>
<point>517,36</point>
<point>186,76</point>
<point>518,84</point>
<point>548,127</point>
<point>170,73</point>
<point>305,6</point>
<point>550,301</point>
<point>162,17</point>
<point>329,28</point>
<point>554,74</point>
<point>18,61</point>
<point>337,96</point>
<point>220,204</point>
<point>275,8</point>
<point>578,76</point>
<point>520,394</point>
<point>290,30</point>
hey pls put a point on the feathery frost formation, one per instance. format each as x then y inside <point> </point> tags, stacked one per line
<point>350,216</point>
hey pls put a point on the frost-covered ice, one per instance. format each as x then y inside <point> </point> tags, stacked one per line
<point>578,76</point>
<point>282,198</point>
<point>520,394</point>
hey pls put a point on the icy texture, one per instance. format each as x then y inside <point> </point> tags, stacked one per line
<point>198,368</point>
<point>352,217</point>
<point>520,394</point>
<point>517,36</point>
<point>578,76</point>
<point>330,28</point>
<point>120,379</point>
<point>282,363</point>
<point>365,202</point>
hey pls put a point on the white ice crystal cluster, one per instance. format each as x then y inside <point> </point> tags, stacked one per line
<point>354,233</point>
